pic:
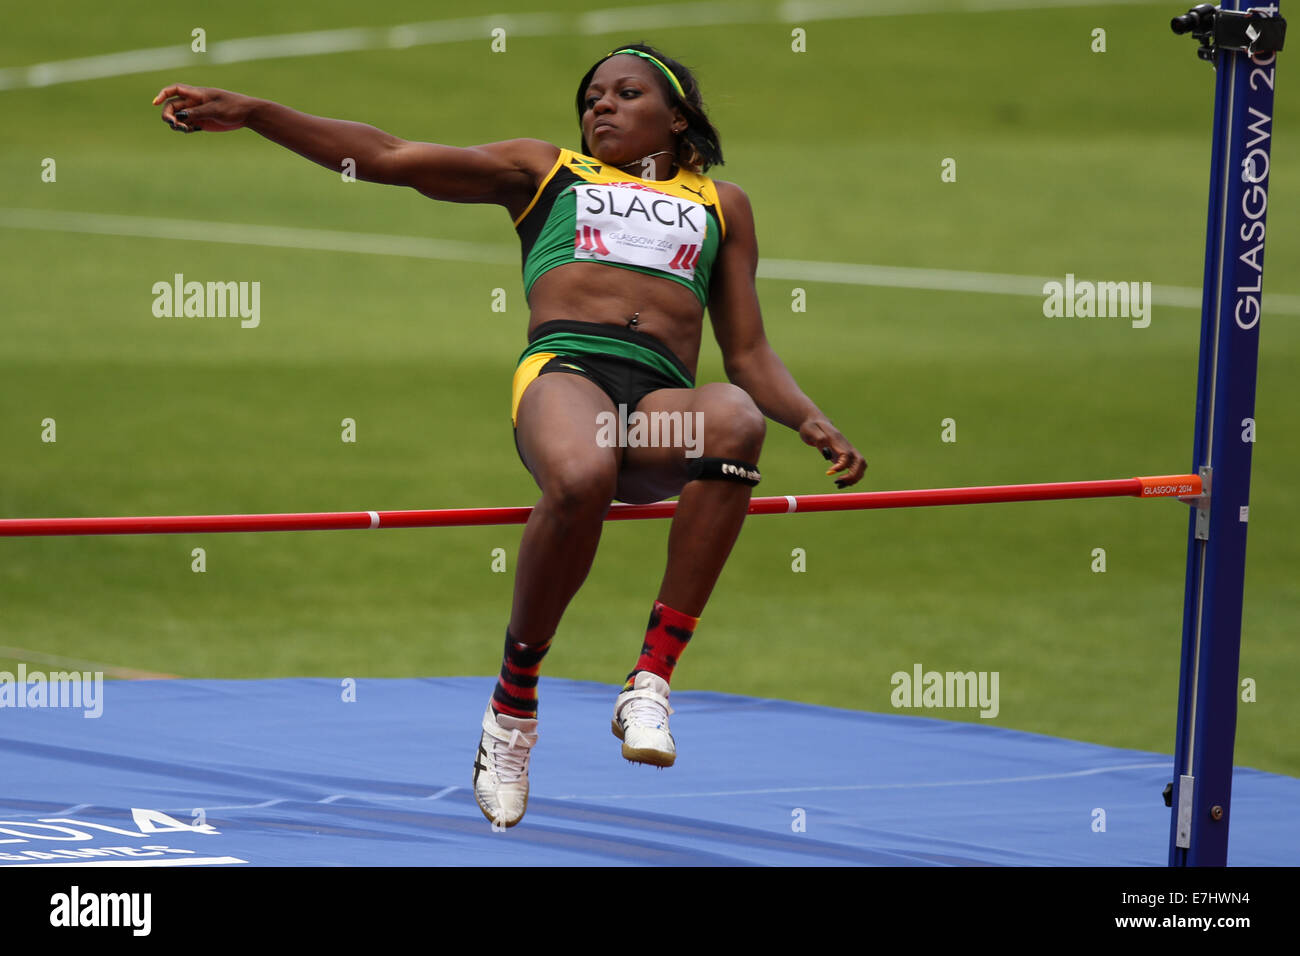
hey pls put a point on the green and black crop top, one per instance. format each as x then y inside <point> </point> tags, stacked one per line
<point>589,211</point>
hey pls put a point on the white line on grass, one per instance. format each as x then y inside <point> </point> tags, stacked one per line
<point>280,237</point>
<point>404,36</point>
<point>76,663</point>
<point>416,247</point>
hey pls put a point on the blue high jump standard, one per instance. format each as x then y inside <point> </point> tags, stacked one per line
<point>1242,44</point>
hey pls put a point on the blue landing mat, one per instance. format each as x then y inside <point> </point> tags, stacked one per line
<point>285,772</point>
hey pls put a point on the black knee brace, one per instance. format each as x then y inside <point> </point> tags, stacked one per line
<point>723,469</point>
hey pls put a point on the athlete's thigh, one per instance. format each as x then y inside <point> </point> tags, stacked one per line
<point>558,431</point>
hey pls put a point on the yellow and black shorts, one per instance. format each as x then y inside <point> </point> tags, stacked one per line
<point>627,365</point>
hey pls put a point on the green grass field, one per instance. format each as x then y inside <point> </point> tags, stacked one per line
<point>1067,161</point>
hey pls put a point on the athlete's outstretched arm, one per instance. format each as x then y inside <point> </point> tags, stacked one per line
<point>503,173</point>
<point>748,358</point>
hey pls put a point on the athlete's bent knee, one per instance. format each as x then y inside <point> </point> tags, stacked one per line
<point>734,427</point>
<point>576,490</point>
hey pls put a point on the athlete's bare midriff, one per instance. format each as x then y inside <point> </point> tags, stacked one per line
<point>607,295</point>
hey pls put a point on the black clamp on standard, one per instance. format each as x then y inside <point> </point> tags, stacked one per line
<point>1255,31</point>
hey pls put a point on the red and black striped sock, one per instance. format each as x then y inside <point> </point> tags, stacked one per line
<point>666,638</point>
<point>516,691</point>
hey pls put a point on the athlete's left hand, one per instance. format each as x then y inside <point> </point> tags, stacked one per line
<point>836,449</point>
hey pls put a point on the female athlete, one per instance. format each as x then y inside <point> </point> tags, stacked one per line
<point>625,243</point>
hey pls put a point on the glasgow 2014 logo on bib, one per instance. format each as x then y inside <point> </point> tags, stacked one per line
<point>638,225</point>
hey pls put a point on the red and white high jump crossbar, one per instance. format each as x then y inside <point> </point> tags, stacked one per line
<point>1160,486</point>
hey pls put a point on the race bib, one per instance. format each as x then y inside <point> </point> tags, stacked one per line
<point>640,226</point>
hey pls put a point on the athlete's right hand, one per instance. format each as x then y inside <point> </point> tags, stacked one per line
<point>188,109</point>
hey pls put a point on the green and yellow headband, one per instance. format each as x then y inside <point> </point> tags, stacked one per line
<point>676,84</point>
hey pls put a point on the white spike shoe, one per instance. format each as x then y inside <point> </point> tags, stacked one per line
<point>501,767</point>
<point>641,722</point>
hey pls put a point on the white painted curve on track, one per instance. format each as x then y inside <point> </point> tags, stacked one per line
<point>417,247</point>
<point>433,32</point>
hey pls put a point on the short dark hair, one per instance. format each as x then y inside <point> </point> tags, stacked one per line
<point>699,146</point>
